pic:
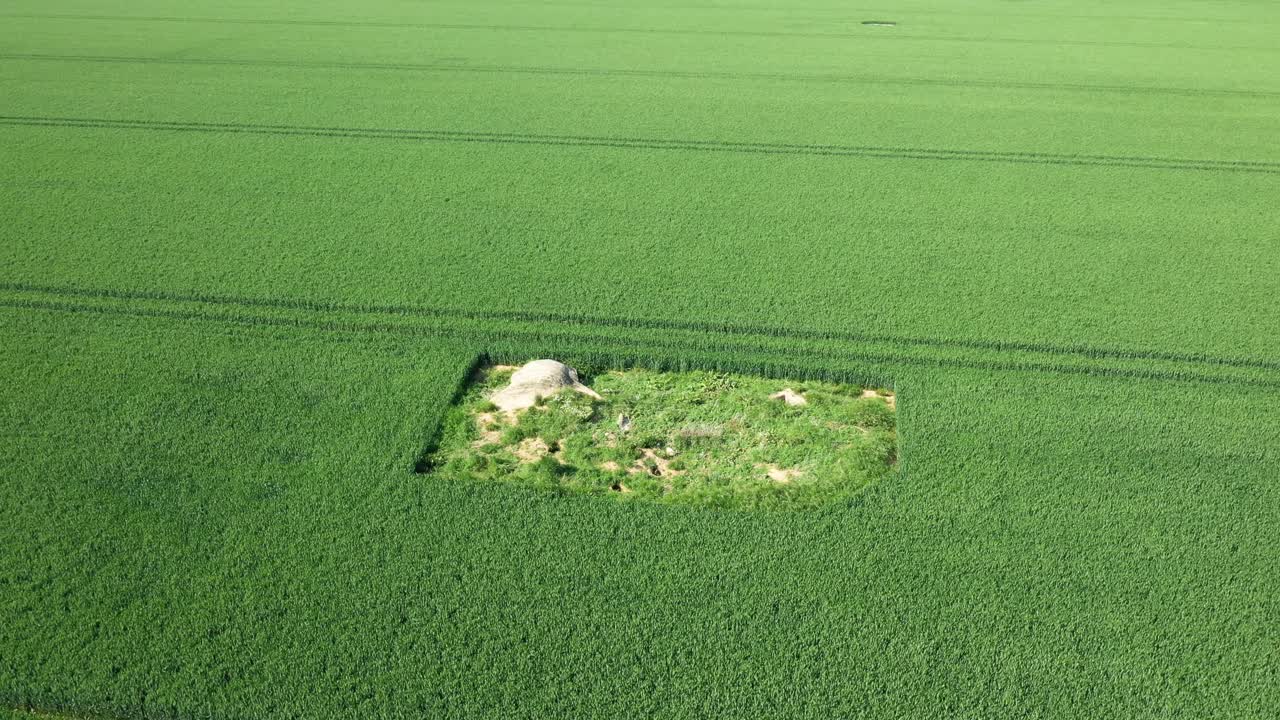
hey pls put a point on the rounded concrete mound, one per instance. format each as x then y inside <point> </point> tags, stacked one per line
<point>539,378</point>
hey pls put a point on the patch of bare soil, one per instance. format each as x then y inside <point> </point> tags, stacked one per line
<point>531,450</point>
<point>487,423</point>
<point>884,395</point>
<point>654,464</point>
<point>780,474</point>
<point>789,396</point>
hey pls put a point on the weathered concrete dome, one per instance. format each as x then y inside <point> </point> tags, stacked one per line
<point>540,378</point>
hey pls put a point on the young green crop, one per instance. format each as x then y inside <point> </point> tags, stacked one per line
<point>250,252</point>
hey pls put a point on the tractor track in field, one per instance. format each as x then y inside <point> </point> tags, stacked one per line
<point>709,338</point>
<point>825,78</point>
<point>881,11</point>
<point>1081,351</point>
<point>498,27</point>
<point>723,146</point>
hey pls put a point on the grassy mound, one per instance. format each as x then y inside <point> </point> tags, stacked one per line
<point>696,437</point>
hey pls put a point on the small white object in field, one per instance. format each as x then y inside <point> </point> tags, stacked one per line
<point>540,378</point>
<point>624,423</point>
<point>789,396</point>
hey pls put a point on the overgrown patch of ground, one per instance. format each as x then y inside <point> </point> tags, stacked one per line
<point>695,437</point>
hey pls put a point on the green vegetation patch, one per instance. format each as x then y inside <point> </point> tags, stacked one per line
<point>696,437</point>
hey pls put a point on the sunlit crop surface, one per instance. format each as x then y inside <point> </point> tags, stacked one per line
<point>250,252</point>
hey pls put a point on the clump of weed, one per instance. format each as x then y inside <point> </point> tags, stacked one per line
<point>695,435</point>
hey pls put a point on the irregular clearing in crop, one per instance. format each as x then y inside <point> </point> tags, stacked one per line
<point>696,437</point>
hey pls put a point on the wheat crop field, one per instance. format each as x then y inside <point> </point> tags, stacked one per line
<point>252,252</point>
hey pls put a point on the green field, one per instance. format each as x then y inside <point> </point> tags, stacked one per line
<point>251,252</point>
